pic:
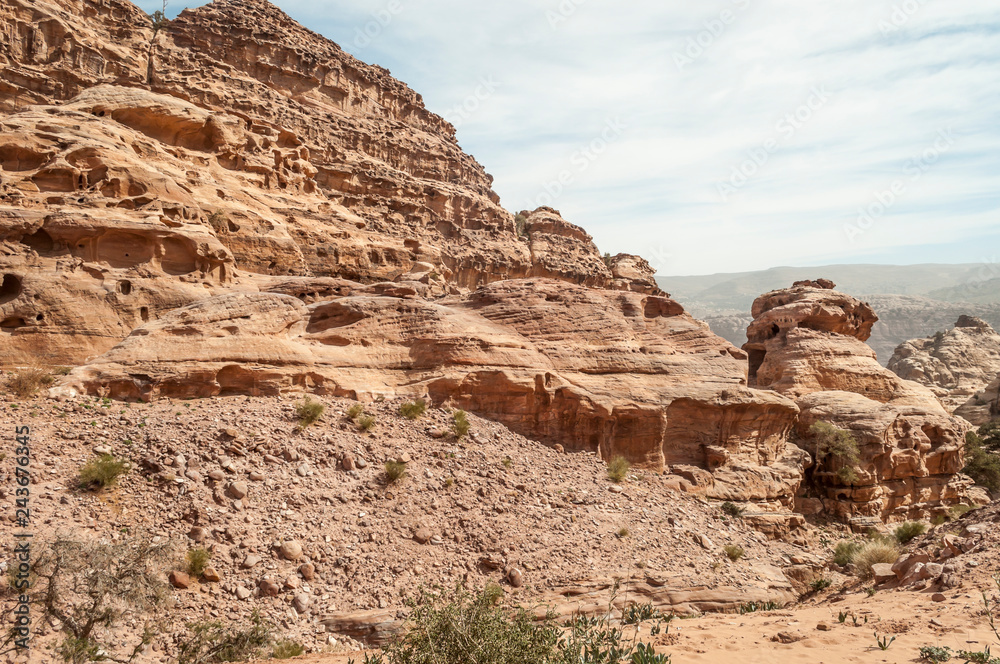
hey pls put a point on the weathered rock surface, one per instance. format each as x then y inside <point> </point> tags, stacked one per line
<point>616,372</point>
<point>807,343</point>
<point>144,170</point>
<point>957,365</point>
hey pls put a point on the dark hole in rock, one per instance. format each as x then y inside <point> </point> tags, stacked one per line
<point>40,317</point>
<point>40,241</point>
<point>10,288</point>
<point>11,323</point>
<point>144,314</point>
<point>125,286</point>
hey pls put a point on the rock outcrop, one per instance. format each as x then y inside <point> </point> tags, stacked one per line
<point>807,343</point>
<point>958,366</point>
<point>616,372</point>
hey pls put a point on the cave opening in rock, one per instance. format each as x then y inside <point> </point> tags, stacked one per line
<point>144,314</point>
<point>40,241</point>
<point>10,288</point>
<point>11,323</point>
<point>125,286</point>
<point>756,358</point>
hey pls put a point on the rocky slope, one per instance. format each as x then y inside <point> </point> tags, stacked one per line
<point>807,343</point>
<point>957,365</point>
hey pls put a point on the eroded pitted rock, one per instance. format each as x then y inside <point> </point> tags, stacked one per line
<point>958,366</point>
<point>807,343</point>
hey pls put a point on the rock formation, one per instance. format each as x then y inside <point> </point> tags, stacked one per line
<point>958,366</point>
<point>807,343</point>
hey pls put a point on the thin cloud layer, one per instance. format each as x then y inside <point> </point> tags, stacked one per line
<point>715,137</point>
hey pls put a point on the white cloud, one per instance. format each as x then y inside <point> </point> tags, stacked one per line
<point>896,73</point>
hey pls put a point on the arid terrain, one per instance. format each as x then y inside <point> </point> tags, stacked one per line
<point>276,358</point>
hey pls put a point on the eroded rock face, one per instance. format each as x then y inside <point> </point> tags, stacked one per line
<point>958,366</point>
<point>616,372</point>
<point>228,147</point>
<point>807,343</point>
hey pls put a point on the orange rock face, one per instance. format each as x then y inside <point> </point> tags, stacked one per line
<point>807,343</point>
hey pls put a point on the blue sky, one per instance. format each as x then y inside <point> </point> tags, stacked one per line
<point>715,136</point>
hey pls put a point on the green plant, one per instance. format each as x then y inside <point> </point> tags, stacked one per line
<point>884,641</point>
<point>754,607</point>
<point>978,656</point>
<point>623,532</point>
<point>412,410</point>
<point>197,560</point>
<point>286,649</point>
<point>873,552</point>
<point>870,592</point>
<point>842,616</point>
<point>394,471</point>
<point>834,446</point>
<point>449,482</point>
<point>102,472</point>
<point>309,412</point>
<point>907,531</point>
<point>935,654</point>
<point>982,460</point>
<point>734,552</point>
<point>492,593</point>
<point>460,423</point>
<point>732,509</point>
<point>355,411</point>
<point>214,641</point>
<point>366,422</point>
<point>607,259</point>
<point>521,225</point>
<point>618,469</point>
<point>844,552</point>
<point>821,584</point>
<point>956,512</point>
<point>507,463</point>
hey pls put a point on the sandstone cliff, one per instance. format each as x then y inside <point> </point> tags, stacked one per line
<point>807,343</point>
<point>958,366</point>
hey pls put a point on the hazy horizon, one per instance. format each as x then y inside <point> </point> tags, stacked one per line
<point>723,137</point>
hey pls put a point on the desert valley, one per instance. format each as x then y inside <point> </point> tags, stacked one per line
<point>283,378</point>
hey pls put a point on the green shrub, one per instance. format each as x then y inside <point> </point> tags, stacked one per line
<point>521,224</point>
<point>214,641</point>
<point>460,423</point>
<point>102,472</point>
<point>309,412</point>
<point>873,552</point>
<point>732,510</point>
<point>287,649</point>
<point>197,560</point>
<point>982,463</point>
<point>734,552</point>
<point>394,471</point>
<point>821,584</point>
<point>935,654</point>
<point>412,410</point>
<point>459,628</point>
<point>844,552</point>
<point>907,531</point>
<point>956,512</point>
<point>355,411</point>
<point>834,446</point>
<point>618,469</point>
<point>623,532</point>
<point>366,422</point>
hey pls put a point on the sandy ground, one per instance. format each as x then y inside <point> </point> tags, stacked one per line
<point>913,618</point>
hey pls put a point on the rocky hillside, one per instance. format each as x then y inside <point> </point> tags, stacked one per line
<point>958,365</point>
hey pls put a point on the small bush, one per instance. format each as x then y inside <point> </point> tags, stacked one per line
<point>412,410</point>
<point>844,552</point>
<point>309,412</point>
<point>907,531</point>
<point>734,552</point>
<point>982,463</point>
<point>355,411</point>
<point>935,654</point>
<point>214,641</point>
<point>366,422</point>
<point>508,463</point>
<point>836,446</point>
<point>287,649</point>
<point>873,552</point>
<point>25,382</point>
<point>732,510</point>
<point>623,532</point>
<point>520,225</point>
<point>102,472</point>
<point>394,471</point>
<point>460,423</point>
<point>197,560</point>
<point>821,584</point>
<point>617,469</point>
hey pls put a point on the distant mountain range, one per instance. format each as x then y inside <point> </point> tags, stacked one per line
<point>912,301</point>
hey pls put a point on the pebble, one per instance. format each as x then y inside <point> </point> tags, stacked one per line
<point>291,550</point>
